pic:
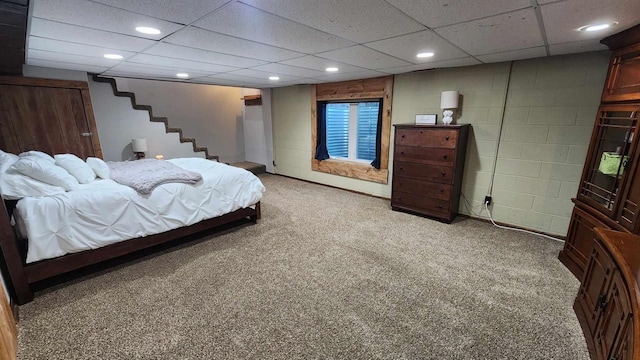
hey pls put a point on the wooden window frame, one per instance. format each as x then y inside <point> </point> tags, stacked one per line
<point>376,88</point>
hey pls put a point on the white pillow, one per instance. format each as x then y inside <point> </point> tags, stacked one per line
<point>45,171</point>
<point>38,154</point>
<point>99,167</point>
<point>15,186</point>
<point>6,160</point>
<point>76,167</point>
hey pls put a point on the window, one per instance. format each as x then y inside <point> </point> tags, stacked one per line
<point>342,146</point>
<point>352,130</point>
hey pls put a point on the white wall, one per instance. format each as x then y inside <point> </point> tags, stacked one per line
<point>210,114</point>
<point>258,140</point>
<point>118,123</point>
<point>550,111</point>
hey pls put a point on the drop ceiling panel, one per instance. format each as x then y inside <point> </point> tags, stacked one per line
<point>576,47</point>
<point>356,20</point>
<point>320,64</point>
<point>446,12</point>
<point>299,39</point>
<point>288,70</point>
<point>70,58</point>
<point>535,52</point>
<point>264,82</point>
<point>407,47</point>
<point>99,16</point>
<point>38,43</point>
<point>82,35</point>
<point>183,11</point>
<point>363,57</point>
<point>222,82</point>
<point>269,29</point>
<point>506,32</point>
<point>562,19</point>
<point>187,53</point>
<point>67,66</point>
<point>207,40</point>
<point>133,68</point>
<point>179,64</point>
<point>467,61</point>
<point>351,76</point>
<point>262,76</point>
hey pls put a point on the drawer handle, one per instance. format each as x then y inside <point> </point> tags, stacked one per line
<point>445,157</point>
<point>439,206</point>
<point>444,173</point>
<point>446,138</point>
<point>402,136</point>
<point>401,152</point>
<point>441,190</point>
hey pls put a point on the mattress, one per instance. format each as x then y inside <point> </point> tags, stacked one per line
<point>104,212</point>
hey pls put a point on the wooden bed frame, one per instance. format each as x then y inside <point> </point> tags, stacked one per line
<point>22,275</point>
<point>59,119</point>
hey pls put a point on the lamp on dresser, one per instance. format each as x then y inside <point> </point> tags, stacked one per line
<point>139,146</point>
<point>448,102</point>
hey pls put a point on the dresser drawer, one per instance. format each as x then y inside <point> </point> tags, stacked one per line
<point>440,174</point>
<point>429,138</point>
<point>424,155</point>
<point>419,203</point>
<point>421,187</point>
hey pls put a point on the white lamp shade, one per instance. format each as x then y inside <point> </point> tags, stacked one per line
<point>139,145</point>
<point>449,100</point>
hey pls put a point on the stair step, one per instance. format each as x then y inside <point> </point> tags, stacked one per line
<point>255,168</point>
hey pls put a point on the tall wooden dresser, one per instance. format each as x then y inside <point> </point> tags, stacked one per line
<point>427,169</point>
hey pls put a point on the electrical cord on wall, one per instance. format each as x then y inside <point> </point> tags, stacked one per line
<point>486,206</point>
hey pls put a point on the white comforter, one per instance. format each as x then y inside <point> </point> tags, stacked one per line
<point>104,212</point>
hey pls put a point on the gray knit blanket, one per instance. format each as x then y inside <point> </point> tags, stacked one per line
<point>147,174</point>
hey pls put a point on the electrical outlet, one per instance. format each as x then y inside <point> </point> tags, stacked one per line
<point>487,200</point>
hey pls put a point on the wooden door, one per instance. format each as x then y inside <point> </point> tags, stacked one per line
<point>8,329</point>
<point>53,116</point>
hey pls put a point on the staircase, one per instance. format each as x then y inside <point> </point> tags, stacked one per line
<point>164,120</point>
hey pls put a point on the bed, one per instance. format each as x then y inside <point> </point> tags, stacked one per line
<point>45,236</point>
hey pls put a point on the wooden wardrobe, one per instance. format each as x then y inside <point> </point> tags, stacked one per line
<point>54,116</point>
<point>602,248</point>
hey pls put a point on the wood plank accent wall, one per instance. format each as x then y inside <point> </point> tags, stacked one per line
<point>54,116</point>
<point>376,88</point>
<point>13,31</point>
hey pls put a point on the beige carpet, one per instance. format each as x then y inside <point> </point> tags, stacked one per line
<point>326,274</point>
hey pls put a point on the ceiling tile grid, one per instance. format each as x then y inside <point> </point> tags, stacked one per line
<point>270,29</point>
<point>243,42</point>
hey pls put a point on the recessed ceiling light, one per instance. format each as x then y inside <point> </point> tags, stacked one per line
<point>596,27</point>
<point>148,30</point>
<point>425,55</point>
<point>274,78</point>
<point>332,69</point>
<point>114,56</point>
<point>182,75</point>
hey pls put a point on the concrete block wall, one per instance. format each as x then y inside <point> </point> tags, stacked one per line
<point>551,104</point>
<point>551,107</point>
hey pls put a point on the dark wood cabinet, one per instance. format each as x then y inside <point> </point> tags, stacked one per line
<point>609,190</point>
<point>607,304</point>
<point>623,83</point>
<point>427,169</point>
